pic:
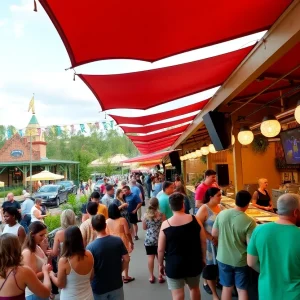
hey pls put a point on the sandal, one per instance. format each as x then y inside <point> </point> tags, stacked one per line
<point>152,280</point>
<point>129,279</point>
<point>161,280</point>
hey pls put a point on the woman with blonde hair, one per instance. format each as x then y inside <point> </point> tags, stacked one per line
<point>152,221</point>
<point>67,219</point>
<point>14,277</point>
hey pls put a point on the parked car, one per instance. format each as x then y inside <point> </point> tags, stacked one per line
<point>69,186</point>
<point>97,185</point>
<point>52,195</point>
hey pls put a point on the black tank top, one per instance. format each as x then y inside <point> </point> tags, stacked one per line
<point>183,250</point>
<point>263,199</point>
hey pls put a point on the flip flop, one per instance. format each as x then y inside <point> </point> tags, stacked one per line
<point>161,280</point>
<point>152,280</point>
<point>129,279</point>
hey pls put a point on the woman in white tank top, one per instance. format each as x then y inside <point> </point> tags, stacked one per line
<point>75,268</point>
<point>12,217</point>
<point>33,256</point>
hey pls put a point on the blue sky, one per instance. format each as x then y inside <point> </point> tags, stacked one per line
<point>33,59</point>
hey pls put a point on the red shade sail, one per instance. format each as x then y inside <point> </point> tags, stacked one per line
<point>151,128</point>
<point>151,30</point>
<point>149,157</point>
<point>153,142</point>
<point>159,135</point>
<point>155,148</point>
<point>145,89</point>
<point>144,120</point>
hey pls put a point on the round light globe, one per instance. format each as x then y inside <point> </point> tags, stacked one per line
<point>297,114</point>
<point>232,140</point>
<point>245,136</point>
<point>198,153</point>
<point>204,150</point>
<point>270,126</point>
<point>212,148</point>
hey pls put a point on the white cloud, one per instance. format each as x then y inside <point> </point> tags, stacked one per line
<point>3,22</point>
<point>26,5</point>
<point>18,29</point>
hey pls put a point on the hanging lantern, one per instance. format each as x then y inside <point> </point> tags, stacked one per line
<point>189,155</point>
<point>194,155</point>
<point>204,149</point>
<point>212,148</point>
<point>198,153</point>
<point>182,158</point>
<point>270,126</point>
<point>232,140</point>
<point>297,112</point>
<point>245,136</point>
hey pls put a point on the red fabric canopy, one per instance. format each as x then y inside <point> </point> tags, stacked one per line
<point>155,148</point>
<point>151,128</point>
<point>143,158</point>
<point>145,89</point>
<point>144,120</point>
<point>151,30</point>
<point>159,135</point>
<point>154,142</point>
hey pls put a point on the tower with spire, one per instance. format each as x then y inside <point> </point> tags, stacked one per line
<point>33,131</point>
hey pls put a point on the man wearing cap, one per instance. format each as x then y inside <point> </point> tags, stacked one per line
<point>26,211</point>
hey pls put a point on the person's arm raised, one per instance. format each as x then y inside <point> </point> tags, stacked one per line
<point>38,288</point>
<point>61,279</point>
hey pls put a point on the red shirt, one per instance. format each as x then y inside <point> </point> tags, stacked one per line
<point>201,190</point>
<point>102,188</point>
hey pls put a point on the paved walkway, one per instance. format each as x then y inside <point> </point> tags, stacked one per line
<point>141,289</point>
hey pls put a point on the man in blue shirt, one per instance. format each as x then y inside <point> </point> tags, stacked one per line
<point>134,203</point>
<point>26,211</point>
<point>110,260</point>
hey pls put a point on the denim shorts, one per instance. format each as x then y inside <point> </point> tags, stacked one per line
<point>230,276</point>
<point>175,284</point>
<point>112,295</point>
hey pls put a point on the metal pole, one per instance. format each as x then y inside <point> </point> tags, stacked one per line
<point>30,167</point>
<point>78,174</point>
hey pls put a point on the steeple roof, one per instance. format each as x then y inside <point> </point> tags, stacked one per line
<point>33,120</point>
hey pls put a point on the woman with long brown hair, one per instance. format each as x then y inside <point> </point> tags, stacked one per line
<point>152,221</point>
<point>33,255</point>
<point>14,277</point>
<point>75,268</point>
<point>122,205</point>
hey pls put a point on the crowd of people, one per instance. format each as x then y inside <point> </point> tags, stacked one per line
<point>93,258</point>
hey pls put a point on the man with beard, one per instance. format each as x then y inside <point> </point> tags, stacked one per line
<point>274,250</point>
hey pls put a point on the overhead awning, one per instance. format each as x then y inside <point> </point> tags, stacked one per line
<point>146,89</point>
<point>148,157</point>
<point>160,140</point>
<point>159,135</point>
<point>151,128</point>
<point>148,119</point>
<point>152,30</point>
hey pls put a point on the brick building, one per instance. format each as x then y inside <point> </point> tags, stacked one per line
<point>16,152</point>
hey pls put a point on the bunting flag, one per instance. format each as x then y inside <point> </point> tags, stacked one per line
<point>9,133</point>
<point>31,105</point>
<point>58,130</point>
<point>104,125</point>
<point>82,128</point>
<point>72,129</point>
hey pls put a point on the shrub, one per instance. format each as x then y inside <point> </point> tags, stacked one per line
<point>74,203</point>
<point>15,191</point>
<point>52,222</point>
